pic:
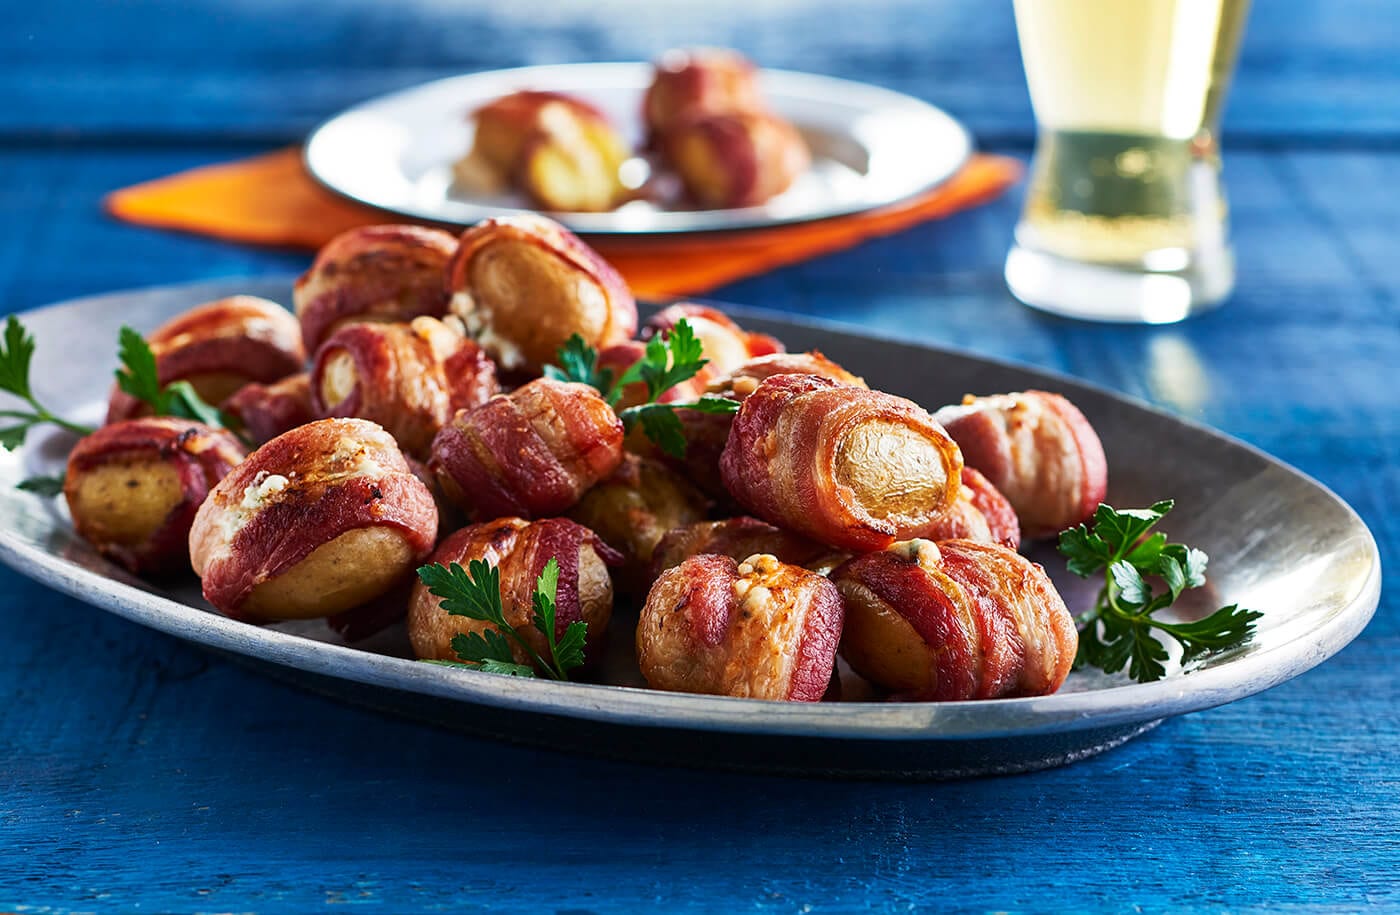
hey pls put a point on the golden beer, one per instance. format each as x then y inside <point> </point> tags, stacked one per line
<point>1124,216</point>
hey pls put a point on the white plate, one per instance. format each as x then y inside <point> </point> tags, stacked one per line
<point>870,147</point>
<point>1279,542</point>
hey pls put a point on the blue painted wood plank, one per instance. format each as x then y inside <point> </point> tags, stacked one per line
<point>188,68</point>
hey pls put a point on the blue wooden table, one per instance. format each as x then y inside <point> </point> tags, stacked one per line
<point>138,773</point>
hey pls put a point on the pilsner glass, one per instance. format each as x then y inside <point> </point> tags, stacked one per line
<point>1125,218</point>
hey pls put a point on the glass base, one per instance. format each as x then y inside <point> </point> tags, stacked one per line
<point>1101,292</point>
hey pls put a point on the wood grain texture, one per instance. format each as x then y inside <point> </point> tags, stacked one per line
<point>141,774</point>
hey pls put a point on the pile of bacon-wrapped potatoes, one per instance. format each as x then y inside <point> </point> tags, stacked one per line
<point>401,418</point>
<point>704,122</point>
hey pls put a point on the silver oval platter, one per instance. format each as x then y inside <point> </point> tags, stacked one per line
<point>870,147</point>
<point>1279,542</point>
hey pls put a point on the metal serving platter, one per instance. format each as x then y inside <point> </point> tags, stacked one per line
<point>870,147</point>
<point>1279,542</point>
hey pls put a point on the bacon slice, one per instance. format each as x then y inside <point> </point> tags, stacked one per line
<point>219,347</point>
<point>1038,450</point>
<point>268,410</point>
<point>273,540</point>
<point>133,488</point>
<point>519,549</point>
<point>757,629</point>
<point>980,513</point>
<point>955,620</point>
<point>373,273</point>
<point>738,538</point>
<point>853,468</point>
<point>408,378</point>
<point>735,158</point>
<point>531,453</point>
<point>523,285</point>
<point>695,81</point>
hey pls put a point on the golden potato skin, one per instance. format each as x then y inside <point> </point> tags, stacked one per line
<point>133,488</point>
<point>519,549</point>
<point>757,629</point>
<point>523,285</point>
<point>632,510</point>
<point>318,520</point>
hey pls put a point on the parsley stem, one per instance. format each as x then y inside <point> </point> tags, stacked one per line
<point>520,640</point>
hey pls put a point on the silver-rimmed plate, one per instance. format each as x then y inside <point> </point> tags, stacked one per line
<point>1279,542</point>
<point>870,147</point>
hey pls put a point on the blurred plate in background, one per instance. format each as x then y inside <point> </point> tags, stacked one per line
<point>870,147</point>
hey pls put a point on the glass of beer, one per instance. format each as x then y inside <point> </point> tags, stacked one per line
<point>1125,218</point>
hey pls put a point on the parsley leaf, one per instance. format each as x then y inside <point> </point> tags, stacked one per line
<point>475,593</point>
<point>42,486</point>
<point>140,378</point>
<point>16,354</point>
<point>579,362</point>
<point>1119,630</point>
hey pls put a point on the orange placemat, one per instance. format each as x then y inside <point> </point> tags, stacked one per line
<point>269,199</point>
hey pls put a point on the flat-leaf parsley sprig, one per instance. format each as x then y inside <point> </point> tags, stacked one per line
<point>670,358</point>
<point>139,377</point>
<point>16,353</point>
<point>475,592</point>
<point>1119,629</point>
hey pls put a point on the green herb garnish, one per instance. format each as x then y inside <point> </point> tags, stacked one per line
<point>139,378</point>
<point>670,359</point>
<point>475,593</point>
<point>16,353</point>
<point>1119,630</point>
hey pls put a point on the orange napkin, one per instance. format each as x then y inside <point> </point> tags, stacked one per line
<point>269,199</point>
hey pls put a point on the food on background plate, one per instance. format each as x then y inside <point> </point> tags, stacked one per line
<point>319,520</point>
<point>691,81</point>
<point>373,273</point>
<point>524,285</point>
<point>735,159</point>
<point>329,518</point>
<point>218,348</point>
<point>757,629</point>
<point>409,378</point>
<point>954,620</point>
<point>133,488</point>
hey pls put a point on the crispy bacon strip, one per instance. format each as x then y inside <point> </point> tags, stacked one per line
<point>531,453</point>
<point>408,378</point>
<point>980,513</point>
<point>301,491</point>
<point>523,285</point>
<point>852,468</point>
<point>129,456</point>
<point>373,273</point>
<point>757,629</point>
<point>268,410</point>
<point>519,549</point>
<point>219,347</point>
<point>1038,450</point>
<point>955,620</point>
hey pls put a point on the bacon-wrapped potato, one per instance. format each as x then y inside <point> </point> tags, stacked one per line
<point>218,348</point>
<point>632,509</point>
<point>756,629</point>
<point>322,518</point>
<point>1038,450</point>
<point>980,513</point>
<point>735,159</point>
<point>373,273</point>
<point>738,537</point>
<point>561,151</point>
<point>955,620</point>
<point>408,378</point>
<point>267,410</point>
<point>519,550</point>
<point>695,81</point>
<point>853,468</point>
<point>523,285</point>
<point>133,488</point>
<point>533,452</point>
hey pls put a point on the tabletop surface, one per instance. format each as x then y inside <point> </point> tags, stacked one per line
<point>138,773</point>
